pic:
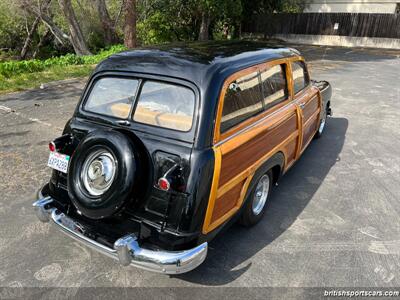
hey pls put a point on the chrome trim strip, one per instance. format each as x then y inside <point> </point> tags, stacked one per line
<point>126,249</point>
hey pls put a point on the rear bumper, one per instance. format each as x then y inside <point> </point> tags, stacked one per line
<point>126,249</point>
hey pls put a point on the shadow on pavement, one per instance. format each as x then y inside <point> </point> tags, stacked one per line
<point>290,197</point>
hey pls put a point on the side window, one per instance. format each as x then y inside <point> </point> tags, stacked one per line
<point>243,99</point>
<point>300,76</point>
<point>274,85</point>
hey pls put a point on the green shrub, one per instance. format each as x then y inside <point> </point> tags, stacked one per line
<point>12,26</point>
<point>12,68</point>
<point>155,30</point>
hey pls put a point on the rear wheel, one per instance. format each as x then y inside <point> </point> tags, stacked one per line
<point>257,200</point>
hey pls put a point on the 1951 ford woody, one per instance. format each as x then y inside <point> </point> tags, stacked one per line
<point>169,145</point>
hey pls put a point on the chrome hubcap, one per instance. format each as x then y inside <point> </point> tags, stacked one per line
<point>98,172</point>
<point>261,194</point>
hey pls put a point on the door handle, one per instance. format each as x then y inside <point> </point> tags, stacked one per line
<point>301,105</point>
<point>124,123</point>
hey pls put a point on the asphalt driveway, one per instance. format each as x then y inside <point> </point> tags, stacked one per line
<point>334,219</point>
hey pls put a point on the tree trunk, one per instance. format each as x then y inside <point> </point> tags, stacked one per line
<point>77,39</point>
<point>62,37</point>
<point>130,24</point>
<point>42,40</point>
<point>28,40</point>
<point>109,30</point>
<point>204,27</point>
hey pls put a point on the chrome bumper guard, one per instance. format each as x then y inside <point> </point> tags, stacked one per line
<point>126,249</point>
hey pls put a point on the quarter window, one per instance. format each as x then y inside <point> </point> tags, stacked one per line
<point>274,85</point>
<point>300,76</point>
<point>165,105</point>
<point>243,99</point>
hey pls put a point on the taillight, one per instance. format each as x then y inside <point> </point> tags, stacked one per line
<point>60,142</point>
<point>169,172</point>
<point>164,184</point>
<point>52,146</point>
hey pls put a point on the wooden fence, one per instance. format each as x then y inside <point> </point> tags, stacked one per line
<point>342,24</point>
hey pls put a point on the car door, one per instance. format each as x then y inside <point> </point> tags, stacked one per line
<point>308,101</point>
<point>256,118</point>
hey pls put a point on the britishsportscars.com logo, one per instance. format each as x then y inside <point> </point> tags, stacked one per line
<point>361,293</point>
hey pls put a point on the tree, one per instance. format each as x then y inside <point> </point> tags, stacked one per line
<point>42,11</point>
<point>77,39</point>
<point>28,39</point>
<point>110,35</point>
<point>265,11</point>
<point>207,9</point>
<point>205,25</point>
<point>257,7</point>
<point>130,39</point>
<point>216,10</point>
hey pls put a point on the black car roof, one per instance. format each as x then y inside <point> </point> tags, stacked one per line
<point>196,62</point>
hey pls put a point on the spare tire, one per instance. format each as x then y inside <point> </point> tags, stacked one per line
<point>101,174</point>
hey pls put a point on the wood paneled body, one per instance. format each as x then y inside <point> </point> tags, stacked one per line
<point>286,128</point>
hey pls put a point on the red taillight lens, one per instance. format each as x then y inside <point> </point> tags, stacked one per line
<point>52,146</point>
<point>163,184</point>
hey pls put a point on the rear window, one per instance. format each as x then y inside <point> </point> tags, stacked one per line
<point>165,105</point>
<point>112,97</point>
<point>159,104</point>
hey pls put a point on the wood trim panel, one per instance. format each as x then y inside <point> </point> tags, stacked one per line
<point>310,108</point>
<point>291,152</point>
<point>311,114</point>
<point>313,117</point>
<point>213,192</point>
<point>246,153</point>
<point>310,128</point>
<point>300,126</point>
<point>226,202</point>
<point>252,168</point>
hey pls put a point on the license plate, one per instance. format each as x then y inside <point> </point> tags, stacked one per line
<point>58,161</point>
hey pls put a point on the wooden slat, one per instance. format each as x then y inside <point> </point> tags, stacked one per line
<point>310,108</point>
<point>350,24</point>
<point>226,202</point>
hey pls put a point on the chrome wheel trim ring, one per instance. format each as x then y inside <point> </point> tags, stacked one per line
<point>98,172</point>
<point>322,124</point>
<point>261,194</point>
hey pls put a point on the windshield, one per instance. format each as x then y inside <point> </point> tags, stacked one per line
<point>159,104</point>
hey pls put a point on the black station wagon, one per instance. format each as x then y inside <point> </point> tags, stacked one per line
<point>169,145</point>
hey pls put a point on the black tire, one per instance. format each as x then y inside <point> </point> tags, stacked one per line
<point>248,217</point>
<point>120,190</point>
<point>322,124</point>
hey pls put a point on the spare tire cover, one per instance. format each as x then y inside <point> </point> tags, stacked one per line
<point>101,173</point>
